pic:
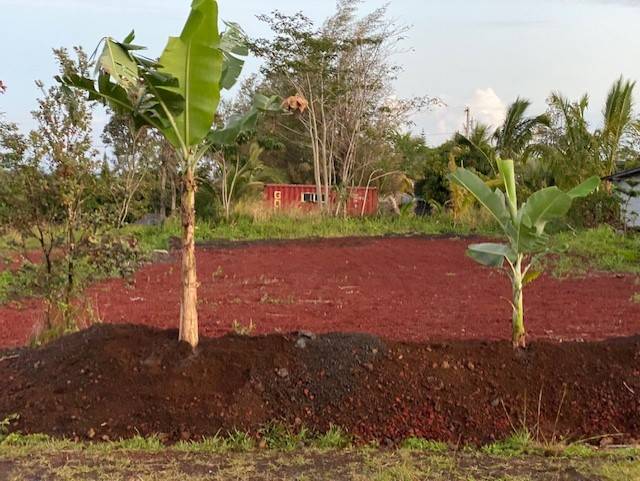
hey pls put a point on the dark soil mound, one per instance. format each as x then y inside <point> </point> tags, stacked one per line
<point>117,381</point>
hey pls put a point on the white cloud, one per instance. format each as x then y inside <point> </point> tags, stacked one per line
<point>487,108</point>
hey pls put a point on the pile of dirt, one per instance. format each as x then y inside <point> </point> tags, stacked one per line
<point>110,382</point>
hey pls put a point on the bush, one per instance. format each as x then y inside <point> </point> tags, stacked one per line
<point>597,209</point>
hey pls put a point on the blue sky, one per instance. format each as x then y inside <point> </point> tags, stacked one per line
<point>481,53</point>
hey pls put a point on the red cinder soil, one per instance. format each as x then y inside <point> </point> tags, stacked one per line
<point>409,289</point>
<point>109,382</point>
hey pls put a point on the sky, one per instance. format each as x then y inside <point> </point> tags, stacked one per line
<point>477,53</point>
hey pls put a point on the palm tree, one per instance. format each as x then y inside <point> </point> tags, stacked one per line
<point>516,134</point>
<point>618,122</point>
<point>478,153</point>
<point>571,150</point>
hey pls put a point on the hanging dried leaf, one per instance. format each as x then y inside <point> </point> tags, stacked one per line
<point>296,103</point>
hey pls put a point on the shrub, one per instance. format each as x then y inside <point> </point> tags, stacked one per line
<point>594,210</point>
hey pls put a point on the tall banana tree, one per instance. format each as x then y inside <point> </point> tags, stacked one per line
<point>178,95</point>
<point>523,228</point>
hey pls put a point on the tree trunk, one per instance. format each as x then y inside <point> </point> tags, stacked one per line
<point>174,195</point>
<point>162,210</point>
<point>189,305</point>
<point>519,334</point>
<point>70,247</point>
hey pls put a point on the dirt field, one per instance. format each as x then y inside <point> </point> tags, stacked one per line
<point>411,289</point>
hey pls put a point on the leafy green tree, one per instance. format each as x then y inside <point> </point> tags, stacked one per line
<point>50,198</point>
<point>523,227</point>
<point>136,154</point>
<point>62,145</point>
<point>178,95</point>
<point>339,77</point>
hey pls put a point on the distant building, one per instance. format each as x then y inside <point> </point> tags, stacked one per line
<point>627,184</point>
<point>362,201</point>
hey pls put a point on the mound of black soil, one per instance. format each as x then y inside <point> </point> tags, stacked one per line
<point>112,382</point>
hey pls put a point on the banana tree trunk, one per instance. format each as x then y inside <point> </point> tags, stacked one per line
<point>188,309</point>
<point>519,333</point>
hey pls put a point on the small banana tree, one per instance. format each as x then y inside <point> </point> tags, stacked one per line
<point>523,227</point>
<point>178,95</point>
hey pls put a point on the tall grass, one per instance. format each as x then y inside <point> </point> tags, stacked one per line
<point>312,226</point>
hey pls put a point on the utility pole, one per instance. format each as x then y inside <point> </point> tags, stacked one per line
<point>467,123</point>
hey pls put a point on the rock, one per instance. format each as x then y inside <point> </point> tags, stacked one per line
<point>606,441</point>
<point>471,366</point>
<point>495,403</point>
<point>445,365</point>
<point>301,343</point>
<point>91,433</point>
<point>307,335</point>
<point>283,372</point>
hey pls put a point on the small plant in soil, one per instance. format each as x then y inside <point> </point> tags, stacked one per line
<point>523,227</point>
<point>5,424</point>
<point>426,445</point>
<point>243,330</point>
<point>334,438</point>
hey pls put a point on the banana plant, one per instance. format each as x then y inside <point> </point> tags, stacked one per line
<point>178,95</point>
<point>523,228</point>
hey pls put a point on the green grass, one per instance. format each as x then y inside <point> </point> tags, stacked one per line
<point>517,444</point>
<point>420,444</point>
<point>600,249</point>
<point>281,438</point>
<point>285,227</point>
<point>277,437</point>
<point>307,466</point>
<point>6,281</point>
<point>149,444</point>
<point>334,438</point>
<point>297,456</point>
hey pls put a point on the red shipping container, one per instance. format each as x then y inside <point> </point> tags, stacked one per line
<point>362,201</point>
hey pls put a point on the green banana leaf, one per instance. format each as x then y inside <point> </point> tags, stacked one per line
<point>195,60</point>
<point>241,124</point>
<point>491,255</point>
<point>494,201</point>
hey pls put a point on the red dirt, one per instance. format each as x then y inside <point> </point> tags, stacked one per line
<point>109,382</point>
<point>410,289</point>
